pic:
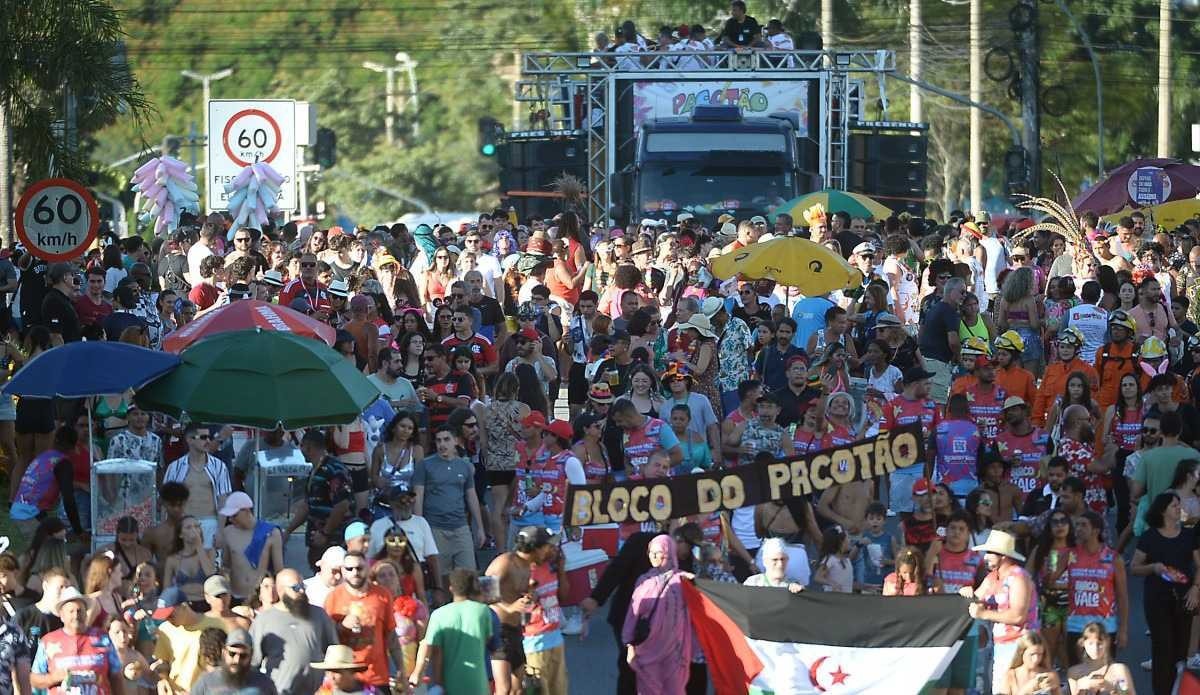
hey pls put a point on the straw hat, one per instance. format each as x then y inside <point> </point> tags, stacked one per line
<point>1001,543</point>
<point>338,657</point>
<point>700,323</point>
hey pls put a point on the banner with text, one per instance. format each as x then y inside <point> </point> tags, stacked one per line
<point>660,499</point>
<point>755,98</point>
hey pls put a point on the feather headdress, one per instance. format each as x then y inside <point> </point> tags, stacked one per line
<point>1060,220</point>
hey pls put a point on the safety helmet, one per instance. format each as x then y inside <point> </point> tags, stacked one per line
<point>976,346</point>
<point>1071,335</point>
<point>1010,340</point>
<point>1153,348</point>
<point>1122,318</point>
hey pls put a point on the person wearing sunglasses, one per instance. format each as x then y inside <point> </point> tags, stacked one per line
<point>205,476</point>
<point>308,288</point>
<point>365,623</point>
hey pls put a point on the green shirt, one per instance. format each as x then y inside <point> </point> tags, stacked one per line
<point>1156,470</point>
<point>461,630</point>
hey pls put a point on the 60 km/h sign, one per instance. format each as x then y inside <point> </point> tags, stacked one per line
<point>241,133</point>
<point>57,219</point>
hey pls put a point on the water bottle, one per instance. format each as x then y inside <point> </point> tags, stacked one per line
<point>1122,687</point>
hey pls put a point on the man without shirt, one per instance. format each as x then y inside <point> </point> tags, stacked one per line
<point>253,547</point>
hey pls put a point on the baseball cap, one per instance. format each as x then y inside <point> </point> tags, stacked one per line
<point>863,248</point>
<point>356,529</point>
<point>382,258</point>
<point>534,419</point>
<point>684,216</point>
<point>235,503</point>
<point>239,638</point>
<point>216,585</point>
<point>725,219</point>
<point>640,246</point>
<point>560,428</point>
<point>332,557</point>
<point>534,536</point>
<point>913,374</point>
<point>168,601</point>
<point>530,333</point>
<point>922,487</point>
<point>758,219</point>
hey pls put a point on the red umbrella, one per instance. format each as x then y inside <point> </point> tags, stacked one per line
<point>249,313</point>
<point>1140,183</point>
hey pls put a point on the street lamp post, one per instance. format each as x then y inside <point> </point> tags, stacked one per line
<point>407,66</point>
<point>206,81</point>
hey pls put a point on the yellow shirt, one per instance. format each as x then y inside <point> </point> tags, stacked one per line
<point>180,647</point>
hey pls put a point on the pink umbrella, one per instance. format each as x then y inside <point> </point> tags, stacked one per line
<point>249,313</point>
<point>1140,183</point>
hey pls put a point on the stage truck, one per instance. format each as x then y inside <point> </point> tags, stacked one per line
<point>653,135</point>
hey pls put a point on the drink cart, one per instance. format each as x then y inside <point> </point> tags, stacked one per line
<point>122,487</point>
<point>277,483</point>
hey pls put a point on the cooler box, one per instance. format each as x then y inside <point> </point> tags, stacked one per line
<point>584,568</point>
<point>605,537</point>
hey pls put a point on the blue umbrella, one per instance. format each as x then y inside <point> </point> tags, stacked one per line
<point>90,368</point>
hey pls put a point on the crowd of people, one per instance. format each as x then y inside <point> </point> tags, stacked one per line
<point>1053,368</point>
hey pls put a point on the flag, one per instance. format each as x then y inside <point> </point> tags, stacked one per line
<point>768,641</point>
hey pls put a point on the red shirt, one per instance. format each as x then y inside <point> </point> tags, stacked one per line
<point>451,386</point>
<point>378,621</point>
<point>1078,456</point>
<point>315,295</point>
<point>204,295</point>
<point>91,313</point>
<point>483,353</point>
<point>90,658</point>
<point>1026,454</point>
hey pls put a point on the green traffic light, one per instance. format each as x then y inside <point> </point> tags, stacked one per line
<point>488,149</point>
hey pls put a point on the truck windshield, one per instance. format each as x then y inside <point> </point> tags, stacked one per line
<point>702,187</point>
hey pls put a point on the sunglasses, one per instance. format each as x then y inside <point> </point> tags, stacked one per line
<point>298,587</point>
<point>353,568</point>
<point>203,437</point>
<point>1149,430</point>
<point>308,265</point>
<point>237,654</point>
<point>241,238</point>
<point>396,540</point>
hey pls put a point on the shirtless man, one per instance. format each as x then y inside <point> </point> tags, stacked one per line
<point>1009,497</point>
<point>220,603</point>
<point>846,505</point>
<point>512,572</point>
<point>160,538</point>
<point>252,548</point>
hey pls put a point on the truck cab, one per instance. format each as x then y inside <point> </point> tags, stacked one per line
<point>712,163</point>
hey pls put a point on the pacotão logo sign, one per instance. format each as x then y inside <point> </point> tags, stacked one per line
<point>661,499</point>
<point>674,99</point>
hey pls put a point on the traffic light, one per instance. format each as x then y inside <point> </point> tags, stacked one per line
<point>325,150</point>
<point>490,132</point>
<point>1016,171</point>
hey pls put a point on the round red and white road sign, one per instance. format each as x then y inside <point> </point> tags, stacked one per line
<point>57,219</point>
<point>252,135</point>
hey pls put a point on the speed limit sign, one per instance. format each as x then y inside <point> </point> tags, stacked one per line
<point>241,133</point>
<point>57,219</point>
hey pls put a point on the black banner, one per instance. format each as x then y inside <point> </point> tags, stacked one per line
<point>660,499</point>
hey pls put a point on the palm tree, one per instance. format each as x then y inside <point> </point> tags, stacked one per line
<point>62,74</point>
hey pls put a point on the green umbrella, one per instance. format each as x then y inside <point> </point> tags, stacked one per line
<point>258,378</point>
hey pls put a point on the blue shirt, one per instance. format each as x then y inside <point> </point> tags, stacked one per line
<point>809,315</point>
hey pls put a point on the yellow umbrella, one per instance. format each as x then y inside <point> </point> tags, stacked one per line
<point>792,261</point>
<point>1169,215</point>
<point>855,204</point>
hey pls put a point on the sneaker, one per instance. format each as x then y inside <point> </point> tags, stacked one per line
<point>1147,664</point>
<point>572,620</point>
<point>1193,662</point>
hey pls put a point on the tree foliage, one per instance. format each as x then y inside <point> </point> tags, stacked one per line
<point>56,48</point>
<point>313,50</point>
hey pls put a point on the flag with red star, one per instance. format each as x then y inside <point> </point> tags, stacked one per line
<point>768,641</point>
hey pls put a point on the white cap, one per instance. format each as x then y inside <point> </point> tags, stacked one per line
<point>684,216</point>
<point>865,247</point>
<point>334,555</point>
<point>236,502</point>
